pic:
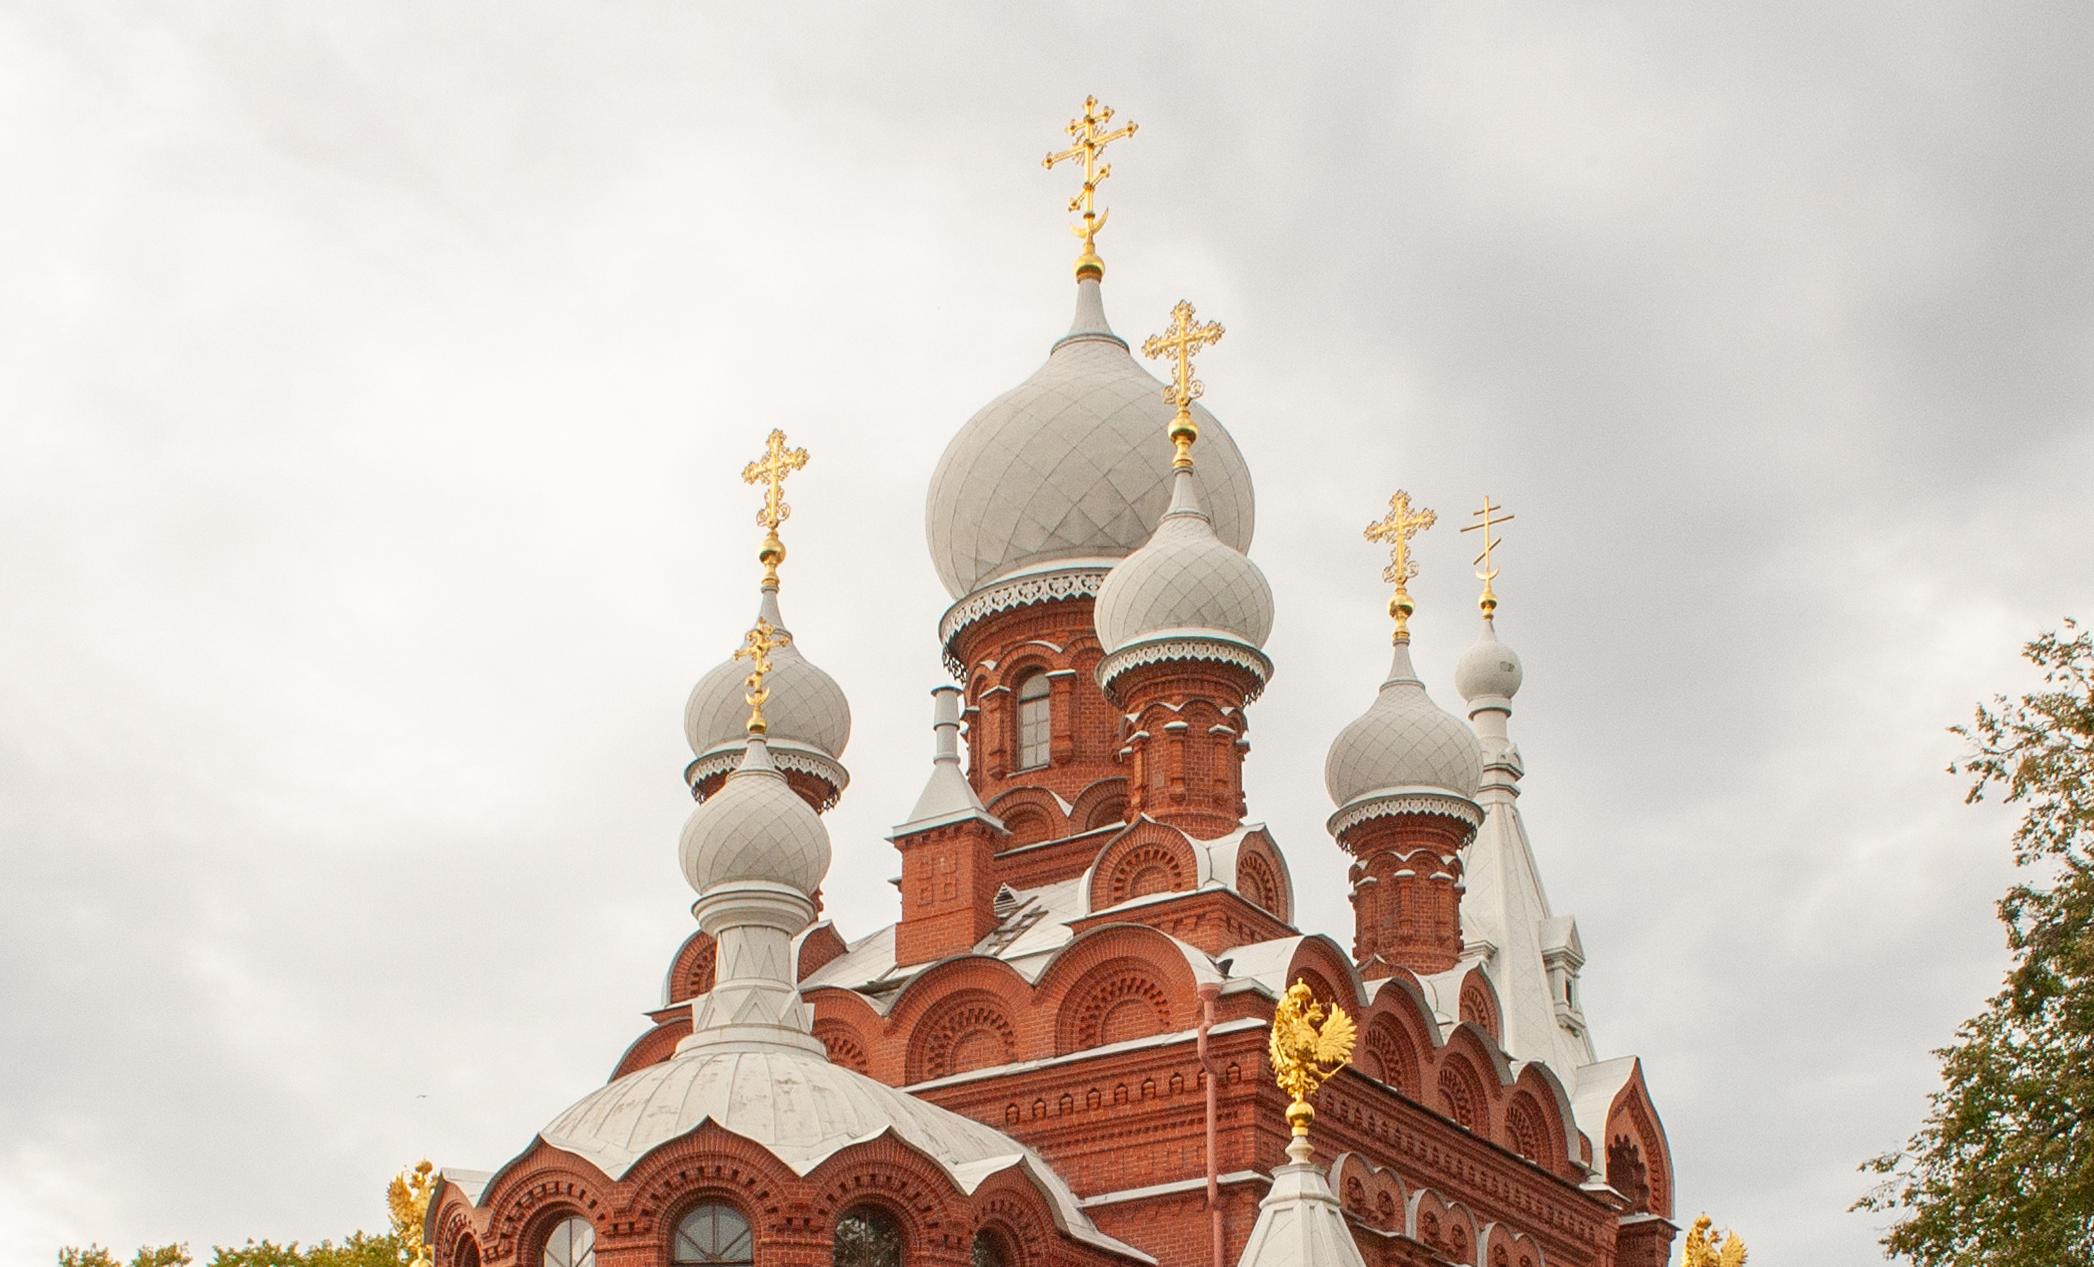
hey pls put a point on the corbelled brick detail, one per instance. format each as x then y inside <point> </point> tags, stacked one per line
<point>1406,892</point>
<point>1183,733</point>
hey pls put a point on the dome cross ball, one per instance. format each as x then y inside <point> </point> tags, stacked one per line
<point>1061,470</point>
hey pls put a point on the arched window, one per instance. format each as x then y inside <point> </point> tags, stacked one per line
<point>571,1243</point>
<point>712,1233</point>
<point>867,1236</point>
<point>1032,722</point>
<point>992,1250</point>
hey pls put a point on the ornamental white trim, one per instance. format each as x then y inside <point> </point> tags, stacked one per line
<point>1395,804</point>
<point>1022,591</point>
<point>1216,650</point>
<point>817,765</point>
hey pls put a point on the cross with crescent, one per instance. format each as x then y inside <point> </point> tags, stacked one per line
<point>1487,573</point>
<point>770,471</point>
<point>1090,141</point>
<point>1396,530</point>
<point>757,645</point>
<point>1183,340</point>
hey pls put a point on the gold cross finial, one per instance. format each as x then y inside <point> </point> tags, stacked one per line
<point>770,471</point>
<point>757,645</point>
<point>1183,340</point>
<point>1396,529</point>
<point>1486,573</point>
<point>1090,141</point>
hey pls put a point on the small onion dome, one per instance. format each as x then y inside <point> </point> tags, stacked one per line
<point>1488,670</point>
<point>1404,743</point>
<point>1061,469</point>
<point>1185,585</point>
<point>810,720</point>
<point>755,830</point>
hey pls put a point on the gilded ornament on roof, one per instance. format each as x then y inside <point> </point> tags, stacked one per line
<point>1309,1043</point>
<point>757,645</point>
<point>1089,137</point>
<point>1395,530</point>
<point>1487,517</point>
<point>1702,1249</point>
<point>770,470</point>
<point>1181,342</point>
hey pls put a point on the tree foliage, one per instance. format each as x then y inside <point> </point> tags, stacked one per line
<point>407,1201</point>
<point>2001,1173</point>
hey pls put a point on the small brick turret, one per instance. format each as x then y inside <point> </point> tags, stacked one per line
<point>1404,775</point>
<point>1406,884</point>
<point>948,850</point>
<point>1183,728</point>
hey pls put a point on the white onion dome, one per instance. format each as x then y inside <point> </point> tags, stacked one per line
<point>802,1110</point>
<point>1185,583</point>
<point>1488,670</point>
<point>755,830</point>
<point>1403,743</point>
<point>809,716</point>
<point>1061,469</point>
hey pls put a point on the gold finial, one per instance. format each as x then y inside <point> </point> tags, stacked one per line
<point>1397,528</point>
<point>1701,1249</point>
<point>407,1202</point>
<point>1090,141</point>
<point>1309,1043</point>
<point>1184,339</point>
<point>770,471</point>
<point>757,645</point>
<point>1486,573</point>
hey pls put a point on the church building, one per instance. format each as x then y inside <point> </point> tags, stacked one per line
<point>1063,1053</point>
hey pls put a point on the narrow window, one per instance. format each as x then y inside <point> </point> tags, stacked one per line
<point>867,1236</point>
<point>1032,722</point>
<point>571,1243</point>
<point>712,1233</point>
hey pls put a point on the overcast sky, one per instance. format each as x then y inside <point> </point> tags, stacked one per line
<point>375,380</point>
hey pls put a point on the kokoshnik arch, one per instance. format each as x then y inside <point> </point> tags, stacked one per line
<point>1057,1056</point>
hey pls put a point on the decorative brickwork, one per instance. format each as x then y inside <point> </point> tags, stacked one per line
<point>1183,741</point>
<point>1406,891</point>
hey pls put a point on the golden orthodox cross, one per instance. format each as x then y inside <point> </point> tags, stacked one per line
<point>1183,340</point>
<point>1487,574</point>
<point>1396,530</point>
<point>757,645</point>
<point>1090,141</point>
<point>770,471</point>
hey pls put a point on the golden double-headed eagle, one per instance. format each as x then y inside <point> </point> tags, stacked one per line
<point>407,1201</point>
<point>1702,1250</point>
<point>1310,1042</point>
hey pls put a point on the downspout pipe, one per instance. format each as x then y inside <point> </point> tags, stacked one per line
<point>1209,992</point>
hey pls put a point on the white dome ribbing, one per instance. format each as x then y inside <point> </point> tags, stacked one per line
<point>806,707</point>
<point>1403,741</point>
<point>1185,582</point>
<point>755,830</point>
<point>1063,466</point>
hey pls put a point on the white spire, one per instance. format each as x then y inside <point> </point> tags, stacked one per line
<point>947,796</point>
<point>1535,953</point>
<point>1299,1222</point>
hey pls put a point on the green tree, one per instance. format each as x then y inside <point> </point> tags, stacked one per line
<point>2001,1173</point>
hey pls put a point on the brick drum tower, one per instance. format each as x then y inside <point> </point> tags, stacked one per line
<point>1057,1055</point>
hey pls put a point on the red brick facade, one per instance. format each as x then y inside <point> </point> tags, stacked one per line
<point>1091,1054</point>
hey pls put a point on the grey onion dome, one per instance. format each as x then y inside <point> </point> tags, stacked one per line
<point>1403,741</point>
<point>1186,582</point>
<point>1062,468</point>
<point>755,830</point>
<point>806,707</point>
<point>1488,669</point>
